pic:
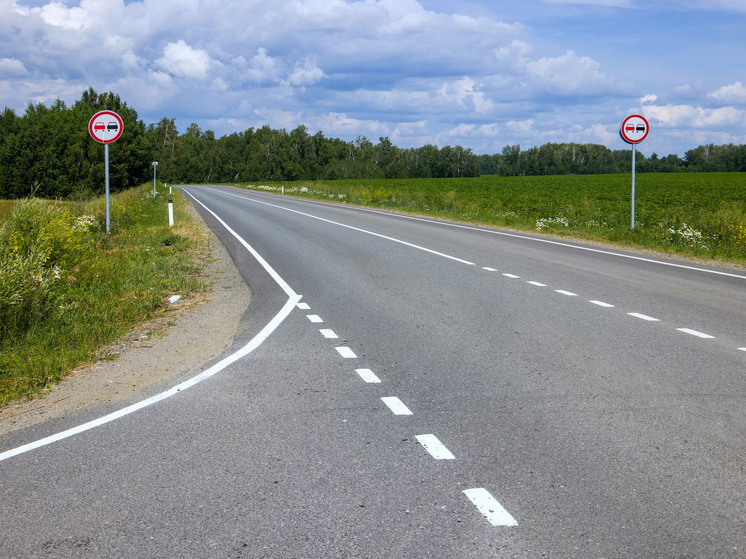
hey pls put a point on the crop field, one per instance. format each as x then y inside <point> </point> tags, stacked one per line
<point>698,214</point>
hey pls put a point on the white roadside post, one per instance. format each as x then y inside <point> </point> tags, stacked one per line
<point>106,127</point>
<point>170,213</point>
<point>155,164</point>
<point>633,130</point>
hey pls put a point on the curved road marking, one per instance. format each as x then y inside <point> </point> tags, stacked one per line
<point>256,341</point>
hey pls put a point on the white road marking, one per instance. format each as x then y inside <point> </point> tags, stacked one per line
<point>537,283</point>
<point>328,334</point>
<point>436,448</point>
<point>695,333</point>
<point>512,276</point>
<point>550,242</point>
<point>563,292</point>
<point>742,348</point>
<point>396,405</point>
<point>643,316</point>
<point>489,269</point>
<point>602,304</point>
<point>316,319</point>
<point>255,342</point>
<point>346,352</point>
<point>490,508</point>
<point>368,376</point>
<point>373,233</point>
<point>304,306</point>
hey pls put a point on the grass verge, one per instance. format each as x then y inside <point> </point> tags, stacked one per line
<point>700,215</point>
<point>67,289</point>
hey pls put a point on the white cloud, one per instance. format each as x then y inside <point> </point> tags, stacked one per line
<point>464,93</point>
<point>569,73</point>
<point>10,67</point>
<point>687,116</point>
<point>734,94</point>
<point>182,61</point>
<point>648,99</point>
<point>305,73</point>
<point>261,68</point>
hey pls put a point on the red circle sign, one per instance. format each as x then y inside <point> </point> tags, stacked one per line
<point>106,127</point>
<point>634,129</point>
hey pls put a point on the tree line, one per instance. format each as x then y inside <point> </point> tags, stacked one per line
<point>48,152</point>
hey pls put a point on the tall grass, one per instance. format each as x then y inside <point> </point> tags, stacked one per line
<point>697,214</point>
<point>67,288</point>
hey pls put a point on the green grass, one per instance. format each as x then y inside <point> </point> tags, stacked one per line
<point>86,288</point>
<point>695,214</point>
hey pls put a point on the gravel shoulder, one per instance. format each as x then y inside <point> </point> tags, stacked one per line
<point>179,341</point>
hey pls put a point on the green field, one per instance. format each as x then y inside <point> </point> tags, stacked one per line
<point>699,214</point>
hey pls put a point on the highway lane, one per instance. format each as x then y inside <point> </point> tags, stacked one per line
<point>555,380</point>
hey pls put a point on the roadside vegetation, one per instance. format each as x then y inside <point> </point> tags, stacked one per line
<point>67,288</point>
<point>701,215</point>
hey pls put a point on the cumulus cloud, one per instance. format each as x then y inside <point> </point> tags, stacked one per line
<point>734,94</point>
<point>305,73</point>
<point>11,68</point>
<point>568,73</point>
<point>676,116</point>
<point>183,61</point>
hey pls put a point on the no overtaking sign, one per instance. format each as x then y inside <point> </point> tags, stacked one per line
<point>105,127</point>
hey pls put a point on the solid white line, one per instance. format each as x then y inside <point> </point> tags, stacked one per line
<point>256,341</point>
<point>512,276</point>
<point>568,293</point>
<point>316,319</point>
<point>490,508</point>
<point>328,334</point>
<point>643,316</point>
<point>488,269</point>
<point>346,352</point>
<point>368,376</point>
<point>379,235</point>
<point>695,333</point>
<point>602,304</point>
<point>550,242</point>
<point>304,306</point>
<point>537,283</point>
<point>396,405</point>
<point>436,448</point>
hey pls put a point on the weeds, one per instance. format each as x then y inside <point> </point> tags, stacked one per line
<point>67,288</point>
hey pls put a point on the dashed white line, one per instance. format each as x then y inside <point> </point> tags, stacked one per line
<point>537,283</point>
<point>316,319</point>
<point>328,334</point>
<point>488,269</point>
<point>436,448</point>
<point>695,333</point>
<point>563,292</point>
<point>490,508</point>
<point>602,304</point>
<point>512,276</point>
<point>742,348</point>
<point>396,405</point>
<point>368,376</point>
<point>303,306</point>
<point>346,352</point>
<point>643,317</point>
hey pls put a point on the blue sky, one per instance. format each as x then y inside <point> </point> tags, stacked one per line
<point>481,74</point>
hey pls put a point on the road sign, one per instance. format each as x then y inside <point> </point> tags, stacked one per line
<point>634,129</point>
<point>105,127</point>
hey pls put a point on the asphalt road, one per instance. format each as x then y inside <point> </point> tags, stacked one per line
<point>410,388</point>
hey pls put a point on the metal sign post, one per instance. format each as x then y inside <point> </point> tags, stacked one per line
<point>155,164</point>
<point>634,129</point>
<point>106,127</point>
